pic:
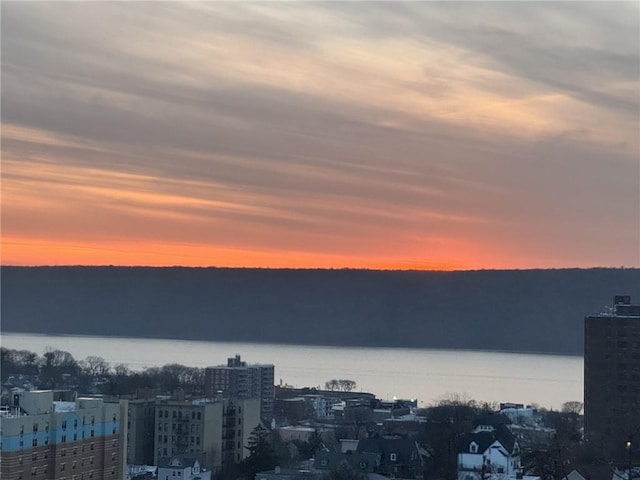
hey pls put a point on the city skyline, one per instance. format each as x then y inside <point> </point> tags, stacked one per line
<point>410,135</point>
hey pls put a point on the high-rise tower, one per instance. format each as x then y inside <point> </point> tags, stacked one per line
<point>241,380</point>
<point>612,378</point>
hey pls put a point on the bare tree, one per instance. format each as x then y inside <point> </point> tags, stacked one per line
<point>347,385</point>
<point>572,406</point>
<point>341,385</point>
<point>332,385</point>
<point>95,366</point>
<point>56,365</point>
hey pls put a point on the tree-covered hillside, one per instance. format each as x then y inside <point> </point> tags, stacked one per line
<point>522,310</point>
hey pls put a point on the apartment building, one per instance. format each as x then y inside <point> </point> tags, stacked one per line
<point>52,435</point>
<point>612,378</point>
<point>140,431</point>
<point>242,380</point>
<point>213,429</point>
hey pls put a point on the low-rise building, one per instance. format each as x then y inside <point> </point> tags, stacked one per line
<point>399,457</point>
<point>489,453</point>
<point>182,467</point>
<point>291,433</point>
<point>288,474</point>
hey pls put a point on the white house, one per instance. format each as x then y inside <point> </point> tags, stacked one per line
<point>489,454</point>
<point>182,467</point>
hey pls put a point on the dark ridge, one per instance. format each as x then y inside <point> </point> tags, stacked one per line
<point>508,310</point>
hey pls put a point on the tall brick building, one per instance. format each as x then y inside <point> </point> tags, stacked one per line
<point>612,378</point>
<point>52,435</point>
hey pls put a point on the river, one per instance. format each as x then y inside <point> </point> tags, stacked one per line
<point>425,374</point>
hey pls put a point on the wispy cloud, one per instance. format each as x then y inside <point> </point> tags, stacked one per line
<point>420,133</point>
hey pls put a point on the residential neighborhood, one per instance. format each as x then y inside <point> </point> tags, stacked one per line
<point>77,420</point>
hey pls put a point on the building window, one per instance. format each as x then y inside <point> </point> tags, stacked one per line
<point>64,452</point>
<point>34,457</point>
<point>34,442</point>
<point>473,448</point>
<point>393,457</point>
<point>63,466</point>
<point>64,424</point>
<point>35,427</point>
<point>63,439</point>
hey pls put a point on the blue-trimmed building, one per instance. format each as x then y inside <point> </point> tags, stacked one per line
<point>49,434</point>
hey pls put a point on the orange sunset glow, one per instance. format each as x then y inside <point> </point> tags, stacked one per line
<point>418,135</point>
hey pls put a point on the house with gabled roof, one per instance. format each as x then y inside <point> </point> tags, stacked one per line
<point>182,467</point>
<point>399,457</point>
<point>490,452</point>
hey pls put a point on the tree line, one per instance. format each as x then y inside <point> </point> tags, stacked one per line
<point>59,369</point>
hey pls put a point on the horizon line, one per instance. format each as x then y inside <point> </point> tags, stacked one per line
<point>222,267</point>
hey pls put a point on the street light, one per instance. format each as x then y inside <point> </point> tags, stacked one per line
<point>629,453</point>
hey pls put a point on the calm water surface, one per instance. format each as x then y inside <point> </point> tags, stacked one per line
<point>425,374</point>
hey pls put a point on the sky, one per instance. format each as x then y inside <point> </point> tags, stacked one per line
<point>391,135</point>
